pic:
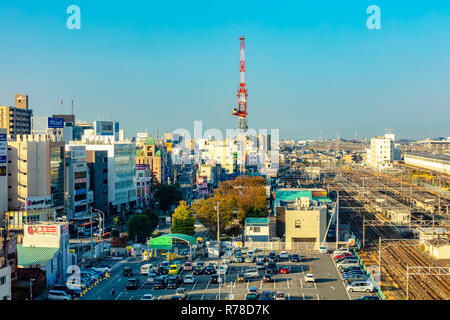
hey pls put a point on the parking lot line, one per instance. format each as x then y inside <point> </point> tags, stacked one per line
<point>318,297</point>
<point>303,296</point>
<point>207,286</point>
<point>287,282</point>
<point>260,286</point>
<point>131,297</point>
<point>301,282</point>
<point>194,284</point>
<point>118,296</point>
<point>289,296</point>
<point>201,297</point>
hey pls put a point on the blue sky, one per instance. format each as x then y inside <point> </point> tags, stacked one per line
<point>311,65</point>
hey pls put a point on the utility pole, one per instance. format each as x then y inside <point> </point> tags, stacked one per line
<point>379,256</point>
<point>218,230</point>
<point>337,220</point>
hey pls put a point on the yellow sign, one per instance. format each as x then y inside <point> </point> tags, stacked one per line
<point>239,244</point>
<point>72,250</point>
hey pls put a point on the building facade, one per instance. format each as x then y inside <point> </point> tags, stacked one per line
<point>97,162</point>
<point>77,182</point>
<point>381,152</point>
<point>3,171</point>
<point>16,120</point>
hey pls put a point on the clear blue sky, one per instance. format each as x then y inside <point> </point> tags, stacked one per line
<point>311,65</point>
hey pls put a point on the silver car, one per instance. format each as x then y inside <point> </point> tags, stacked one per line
<point>58,295</point>
<point>251,273</point>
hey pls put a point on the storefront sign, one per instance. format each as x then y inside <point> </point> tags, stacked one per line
<point>35,203</point>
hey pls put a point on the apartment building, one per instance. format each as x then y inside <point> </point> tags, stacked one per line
<point>382,151</point>
<point>16,120</point>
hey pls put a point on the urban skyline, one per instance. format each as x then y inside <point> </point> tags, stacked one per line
<point>182,65</point>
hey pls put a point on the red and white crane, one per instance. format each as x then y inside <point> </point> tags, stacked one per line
<point>241,111</point>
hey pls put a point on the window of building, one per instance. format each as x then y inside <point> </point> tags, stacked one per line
<point>2,280</point>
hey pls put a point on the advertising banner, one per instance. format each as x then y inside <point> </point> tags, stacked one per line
<point>3,148</point>
<point>42,229</point>
<point>55,123</point>
<point>35,203</point>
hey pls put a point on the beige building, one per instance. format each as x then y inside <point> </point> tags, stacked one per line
<point>16,120</point>
<point>36,173</point>
<point>306,224</point>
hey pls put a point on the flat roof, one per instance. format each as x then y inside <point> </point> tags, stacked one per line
<point>34,255</point>
<point>257,221</point>
<point>430,156</point>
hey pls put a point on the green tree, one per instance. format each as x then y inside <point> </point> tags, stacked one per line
<point>118,222</point>
<point>167,195</point>
<point>183,219</point>
<point>140,227</point>
<point>206,213</point>
<point>153,216</point>
<point>257,212</point>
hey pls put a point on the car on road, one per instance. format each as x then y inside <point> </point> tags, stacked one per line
<point>174,269</point>
<point>182,292</point>
<point>240,277</point>
<point>189,279</point>
<point>159,282</point>
<point>146,269</point>
<point>285,270</point>
<point>127,272</point>
<point>215,278</point>
<point>133,284</point>
<point>172,282</point>
<point>295,258</point>
<point>266,295</point>
<point>260,265</point>
<point>267,278</point>
<point>226,261</point>
<point>359,286</point>
<point>238,258</point>
<point>279,295</point>
<point>309,277</point>
<point>323,249</point>
<point>261,257</point>
<point>251,273</point>
<point>58,295</point>
<point>222,269</point>
<point>369,298</point>
<point>232,259</point>
<point>209,269</point>
<point>162,270</point>
<point>188,266</point>
<point>151,278</point>
<point>284,256</point>
<point>249,258</point>
<point>272,267</point>
<point>148,296</point>
<point>273,256</point>
<point>198,270</point>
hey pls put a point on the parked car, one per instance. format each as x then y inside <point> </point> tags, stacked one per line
<point>350,268</point>
<point>309,277</point>
<point>58,295</point>
<point>240,277</point>
<point>345,258</point>
<point>251,273</point>
<point>133,284</point>
<point>267,278</point>
<point>189,279</point>
<point>359,286</point>
<point>266,295</point>
<point>238,259</point>
<point>347,263</point>
<point>355,277</point>
<point>285,270</point>
<point>251,296</point>
<point>279,295</point>
<point>222,270</point>
<point>127,272</point>
<point>261,257</point>
<point>73,291</point>
<point>369,298</point>
<point>148,296</point>
<point>249,258</point>
<point>182,293</point>
<point>295,258</point>
<point>272,268</point>
<point>284,256</point>
<point>273,256</point>
<point>252,290</point>
<point>260,265</point>
<point>352,273</point>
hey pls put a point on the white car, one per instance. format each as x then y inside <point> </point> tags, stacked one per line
<point>102,269</point>
<point>148,296</point>
<point>309,277</point>
<point>359,286</point>
<point>189,279</point>
<point>347,263</point>
<point>226,262</point>
<point>58,295</point>
<point>251,273</point>
<point>323,249</point>
<point>222,269</point>
<point>284,255</point>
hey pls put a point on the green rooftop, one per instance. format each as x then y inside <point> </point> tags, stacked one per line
<point>165,242</point>
<point>34,255</point>
<point>257,221</point>
<point>284,195</point>
<point>149,141</point>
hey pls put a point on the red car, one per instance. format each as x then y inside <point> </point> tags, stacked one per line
<point>345,254</point>
<point>285,270</point>
<point>188,266</point>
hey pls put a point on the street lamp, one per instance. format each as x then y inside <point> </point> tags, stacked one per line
<point>102,223</point>
<point>31,288</point>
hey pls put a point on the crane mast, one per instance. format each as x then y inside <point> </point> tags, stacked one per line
<point>241,111</point>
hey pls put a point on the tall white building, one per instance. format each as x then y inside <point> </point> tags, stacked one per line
<point>382,151</point>
<point>77,182</point>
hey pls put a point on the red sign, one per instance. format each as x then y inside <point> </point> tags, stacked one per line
<point>41,230</point>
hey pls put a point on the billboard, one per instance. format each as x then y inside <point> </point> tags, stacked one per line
<point>41,229</point>
<point>36,203</point>
<point>55,122</point>
<point>104,128</point>
<point>3,148</point>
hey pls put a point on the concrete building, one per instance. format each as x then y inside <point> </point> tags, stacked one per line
<point>36,165</point>
<point>382,152</point>
<point>46,246</point>
<point>435,162</point>
<point>121,169</point>
<point>17,219</point>
<point>3,171</point>
<point>77,182</point>
<point>143,185</point>
<point>155,157</point>
<point>16,120</point>
<point>257,230</point>
<point>97,162</point>
<point>8,263</point>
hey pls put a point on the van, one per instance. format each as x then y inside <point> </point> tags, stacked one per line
<point>359,286</point>
<point>146,269</point>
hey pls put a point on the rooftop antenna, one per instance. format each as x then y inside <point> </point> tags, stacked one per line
<point>72,106</point>
<point>62,106</point>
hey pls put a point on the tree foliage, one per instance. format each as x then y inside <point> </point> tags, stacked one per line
<point>183,219</point>
<point>167,195</point>
<point>140,227</point>
<point>152,215</point>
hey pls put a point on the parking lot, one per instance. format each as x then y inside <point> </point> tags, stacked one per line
<point>327,285</point>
